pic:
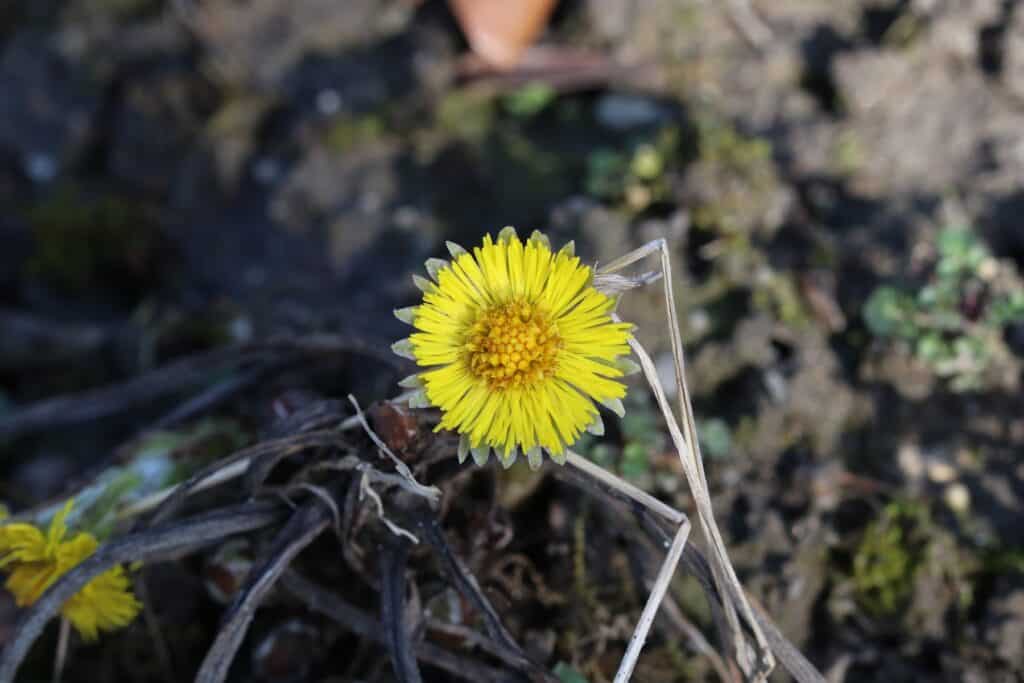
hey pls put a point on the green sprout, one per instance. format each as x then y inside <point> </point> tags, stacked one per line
<point>529,100</point>
<point>635,176</point>
<point>953,323</point>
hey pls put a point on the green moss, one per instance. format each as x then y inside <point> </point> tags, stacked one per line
<point>903,32</point>
<point>720,143</point>
<point>348,133</point>
<point>849,153</point>
<point>468,114</point>
<point>735,180</point>
<point>81,242</point>
<point>780,296</point>
<point>888,557</point>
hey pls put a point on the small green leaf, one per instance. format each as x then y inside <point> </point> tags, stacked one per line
<point>530,99</point>
<point>567,674</point>
<point>715,437</point>
<point>888,313</point>
<point>636,461</point>
<point>932,349</point>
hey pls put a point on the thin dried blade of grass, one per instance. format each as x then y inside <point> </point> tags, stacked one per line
<point>694,564</point>
<point>169,501</point>
<point>161,543</point>
<point>176,376</point>
<point>263,463</point>
<point>315,416</point>
<point>364,624</point>
<point>115,398</point>
<point>759,664</point>
<point>302,528</point>
<point>216,395</point>
<point>656,534</point>
<point>469,588</point>
<point>156,634</point>
<point>393,560</point>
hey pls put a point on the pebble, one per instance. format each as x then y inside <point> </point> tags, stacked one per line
<point>40,168</point>
<point>940,471</point>
<point>957,497</point>
<point>622,112</point>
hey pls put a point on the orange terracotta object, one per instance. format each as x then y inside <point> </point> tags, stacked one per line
<point>500,31</point>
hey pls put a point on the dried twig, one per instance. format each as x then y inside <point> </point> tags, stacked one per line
<point>367,490</point>
<point>431,493</point>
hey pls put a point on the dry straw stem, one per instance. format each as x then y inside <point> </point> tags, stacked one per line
<point>757,665</point>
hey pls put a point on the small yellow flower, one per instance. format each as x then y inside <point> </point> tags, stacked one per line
<point>519,344</point>
<point>34,561</point>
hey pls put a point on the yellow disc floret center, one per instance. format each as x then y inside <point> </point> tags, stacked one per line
<point>513,345</point>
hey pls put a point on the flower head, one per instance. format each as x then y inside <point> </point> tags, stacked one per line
<point>34,561</point>
<point>518,344</point>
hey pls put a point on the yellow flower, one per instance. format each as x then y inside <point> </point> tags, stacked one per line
<point>34,561</point>
<point>519,344</point>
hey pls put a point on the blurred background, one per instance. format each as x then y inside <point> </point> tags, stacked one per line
<point>840,184</point>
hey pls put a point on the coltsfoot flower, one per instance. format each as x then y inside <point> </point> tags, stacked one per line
<point>518,344</point>
<point>34,561</point>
